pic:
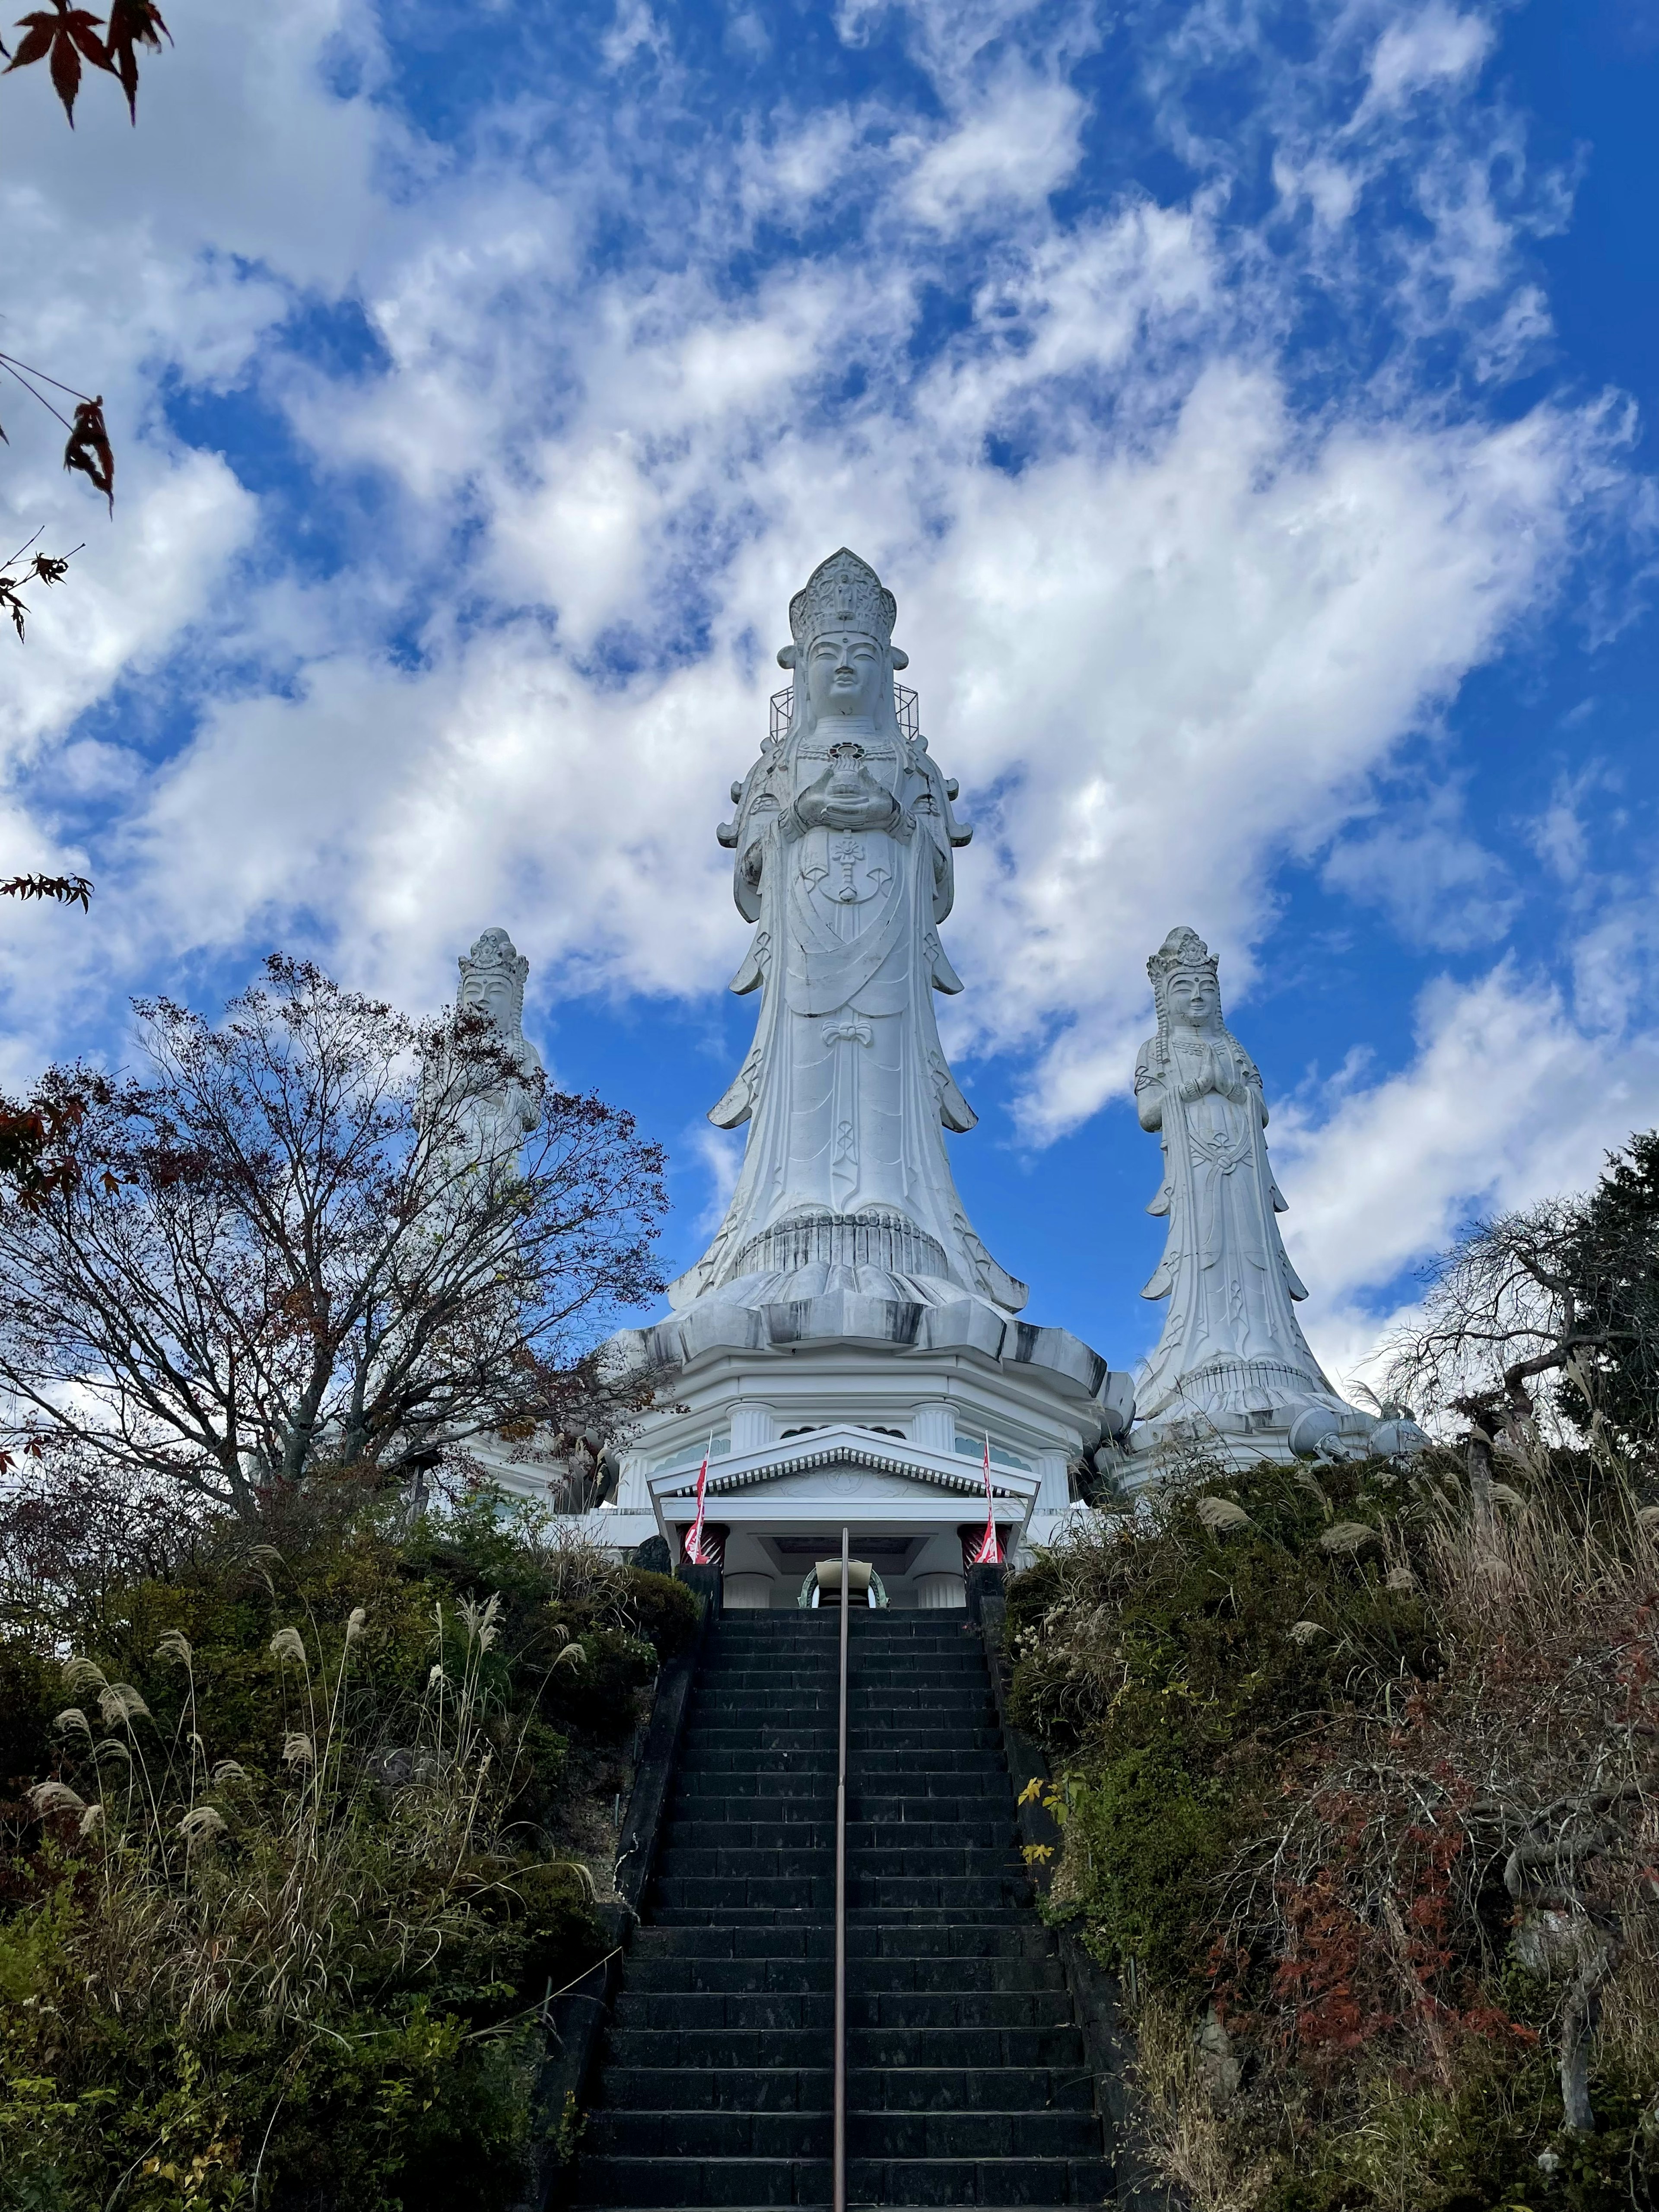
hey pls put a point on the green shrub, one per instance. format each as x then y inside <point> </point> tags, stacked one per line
<point>665,1611</point>
<point>1299,1720</point>
<point>601,1693</point>
<point>28,1698</point>
<point>1143,1840</point>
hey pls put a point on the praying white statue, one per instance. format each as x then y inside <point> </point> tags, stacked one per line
<point>502,1114</point>
<point>843,837</point>
<point>1232,1361</point>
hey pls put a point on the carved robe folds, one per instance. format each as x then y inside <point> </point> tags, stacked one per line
<point>845,1083</point>
<point>843,837</point>
<point>1232,1357</point>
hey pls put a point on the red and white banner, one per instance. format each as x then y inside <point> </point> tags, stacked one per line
<point>988,1551</point>
<point>695,1556</point>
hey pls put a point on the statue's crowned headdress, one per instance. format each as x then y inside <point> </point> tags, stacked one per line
<point>1182,950</point>
<point>842,592</point>
<point>495,955</point>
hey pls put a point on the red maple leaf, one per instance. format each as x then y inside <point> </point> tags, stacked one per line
<point>88,448</point>
<point>133,23</point>
<point>65,37</point>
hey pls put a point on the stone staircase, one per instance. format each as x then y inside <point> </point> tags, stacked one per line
<point>967,2079</point>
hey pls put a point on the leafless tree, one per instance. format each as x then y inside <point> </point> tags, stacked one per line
<point>1517,1298</point>
<point>291,1246</point>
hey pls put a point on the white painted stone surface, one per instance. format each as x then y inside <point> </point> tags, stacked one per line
<point>939,1593</point>
<point>844,837</point>
<point>1232,1368</point>
<point>492,981</point>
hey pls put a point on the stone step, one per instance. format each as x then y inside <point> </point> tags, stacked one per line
<point>710,1895</point>
<point>767,1778</point>
<point>900,1858</point>
<point>896,1736</point>
<point>694,1833</point>
<point>676,2132</point>
<point>814,2009</point>
<point>640,2182</point>
<point>806,1810</point>
<point>872,1674</point>
<point>686,1971</point>
<point>1023,1939</point>
<point>934,1706</point>
<point>947,2089</point>
<point>866,1624</point>
<point>707,2048</point>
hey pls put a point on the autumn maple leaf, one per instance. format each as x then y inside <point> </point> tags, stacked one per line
<point>65,37</point>
<point>133,23</point>
<point>89,450</point>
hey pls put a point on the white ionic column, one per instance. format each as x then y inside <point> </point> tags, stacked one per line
<point>746,1593</point>
<point>936,1593</point>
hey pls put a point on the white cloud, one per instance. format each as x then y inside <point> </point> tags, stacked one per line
<point>719,1154</point>
<point>1513,1092</point>
<point>1018,142</point>
<point>130,592</point>
<point>1559,836</point>
<point>1438,885</point>
<point>635,30</point>
<point>1436,44</point>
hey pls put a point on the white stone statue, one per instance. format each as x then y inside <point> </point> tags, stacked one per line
<point>843,835</point>
<point>500,1116</point>
<point>1232,1361</point>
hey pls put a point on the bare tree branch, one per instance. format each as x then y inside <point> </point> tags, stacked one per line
<point>284,1250</point>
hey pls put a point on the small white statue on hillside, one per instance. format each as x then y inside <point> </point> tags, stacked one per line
<point>1232,1362</point>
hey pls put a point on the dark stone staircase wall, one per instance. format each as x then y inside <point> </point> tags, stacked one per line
<point>968,2079</point>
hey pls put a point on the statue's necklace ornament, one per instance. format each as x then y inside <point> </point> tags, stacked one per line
<point>843,837</point>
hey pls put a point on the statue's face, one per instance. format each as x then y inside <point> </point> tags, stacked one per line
<point>844,674</point>
<point>1193,999</point>
<point>489,991</point>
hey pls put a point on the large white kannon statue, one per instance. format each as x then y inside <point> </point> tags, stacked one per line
<point>492,981</point>
<point>843,835</point>
<point>846,1351</point>
<point>1232,1370</point>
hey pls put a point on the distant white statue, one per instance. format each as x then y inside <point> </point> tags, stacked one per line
<point>843,835</point>
<point>504,1113</point>
<point>1232,1361</point>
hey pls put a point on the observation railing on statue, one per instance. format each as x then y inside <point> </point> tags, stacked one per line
<point>904,706</point>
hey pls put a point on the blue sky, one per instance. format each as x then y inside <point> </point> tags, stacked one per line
<point>1252,407</point>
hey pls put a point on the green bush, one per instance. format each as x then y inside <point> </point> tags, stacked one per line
<point>665,1611</point>
<point>1143,1841</point>
<point>601,1692</point>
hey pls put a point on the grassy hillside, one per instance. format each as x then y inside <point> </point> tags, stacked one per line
<point>1362,1807</point>
<point>297,1840</point>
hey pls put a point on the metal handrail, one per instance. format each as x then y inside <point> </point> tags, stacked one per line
<point>840,2183</point>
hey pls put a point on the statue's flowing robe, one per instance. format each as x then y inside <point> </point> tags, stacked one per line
<point>846,866</point>
<point>1224,1269</point>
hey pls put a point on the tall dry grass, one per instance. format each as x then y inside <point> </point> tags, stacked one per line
<point>227,1897</point>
